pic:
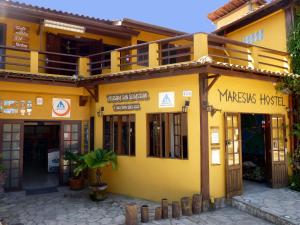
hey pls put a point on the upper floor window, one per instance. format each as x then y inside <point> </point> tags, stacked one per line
<point>254,37</point>
<point>119,134</point>
<point>142,54</point>
<point>167,135</point>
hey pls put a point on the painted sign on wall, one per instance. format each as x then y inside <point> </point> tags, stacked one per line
<point>241,97</point>
<point>21,37</point>
<point>128,97</point>
<point>61,107</point>
<point>166,100</point>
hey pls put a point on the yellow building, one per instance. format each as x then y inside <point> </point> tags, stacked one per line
<point>184,112</point>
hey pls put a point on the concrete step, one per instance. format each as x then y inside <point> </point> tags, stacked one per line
<point>248,205</point>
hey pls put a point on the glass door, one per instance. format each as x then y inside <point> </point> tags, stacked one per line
<point>11,150</point>
<point>71,141</point>
<point>233,155</point>
<point>278,151</point>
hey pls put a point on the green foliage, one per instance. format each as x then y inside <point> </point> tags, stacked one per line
<point>98,159</point>
<point>289,84</point>
<point>76,160</point>
<point>294,46</point>
<point>101,158</point>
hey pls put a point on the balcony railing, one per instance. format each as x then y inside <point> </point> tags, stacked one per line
<point>179,49</point>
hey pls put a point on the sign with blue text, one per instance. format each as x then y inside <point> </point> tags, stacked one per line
<point>166,100</point>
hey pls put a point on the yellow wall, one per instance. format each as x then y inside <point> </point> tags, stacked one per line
<point>217,172</point>
<point>274,28</point>
<point>235,15</point>
<point>154,178</point>
<point>19,91</point>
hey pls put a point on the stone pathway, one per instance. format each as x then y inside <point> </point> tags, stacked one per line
<point>75,208</point>
<point>279,206</point>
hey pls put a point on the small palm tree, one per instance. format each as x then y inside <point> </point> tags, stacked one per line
<point>97,160</point>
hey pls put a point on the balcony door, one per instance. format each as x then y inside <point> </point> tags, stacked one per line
<point>2,42</point>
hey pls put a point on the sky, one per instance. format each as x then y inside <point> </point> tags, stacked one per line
<point>188,16</point>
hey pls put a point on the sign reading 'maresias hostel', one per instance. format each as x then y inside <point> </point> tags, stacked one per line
<point>241,97</point>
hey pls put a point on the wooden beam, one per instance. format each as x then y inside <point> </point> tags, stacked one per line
<point>215,79</point>
<point>94,92</point>
<point>204,147</point>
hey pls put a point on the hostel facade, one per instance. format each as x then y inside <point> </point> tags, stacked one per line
<point>186,113</point>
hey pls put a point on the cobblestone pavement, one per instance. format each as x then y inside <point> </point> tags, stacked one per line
<point>75,208</point>
<point>283,204</point>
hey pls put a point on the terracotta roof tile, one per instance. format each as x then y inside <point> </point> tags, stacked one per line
<point>229,7</point>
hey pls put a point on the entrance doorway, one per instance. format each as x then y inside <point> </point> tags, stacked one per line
<point>254,147</point>
<point>255,150</point>
<point>41,155</point>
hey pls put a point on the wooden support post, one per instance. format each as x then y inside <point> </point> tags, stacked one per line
<point>145,214</point>
<point>115,61</point>
<point>175,210</point>
<point>83,69</point>
<point>165,208</point>
<point>197,203</point>
<point>153,55</point>
<point>204,137</point>
<point>186,206</point>
<point>157,215</point>
<point>131,214</point>
<point>34,62</point>
<point>200,45</point>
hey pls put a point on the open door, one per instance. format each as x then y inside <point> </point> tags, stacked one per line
<point>234,184</point>
<point>71,141</point>
<point>279,177</point>
<point>53,45</point>
<point>11,149</point>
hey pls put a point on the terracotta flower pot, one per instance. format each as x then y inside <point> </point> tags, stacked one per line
<point>76,183</point>
<point>98,192</point>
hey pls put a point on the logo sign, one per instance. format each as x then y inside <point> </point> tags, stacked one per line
<point>166,100</point>
<point>61,107</point>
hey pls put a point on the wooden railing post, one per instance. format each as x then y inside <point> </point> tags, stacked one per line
<point>83,64</point>
<point>254,57</point>
<point>200,45</point>
<point>34,62</point>
<point>115,61</point>
<point>153,55</point>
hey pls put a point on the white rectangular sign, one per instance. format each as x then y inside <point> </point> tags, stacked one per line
<point>61,107</point>
<point>187,93</point>
<point>166,100</point>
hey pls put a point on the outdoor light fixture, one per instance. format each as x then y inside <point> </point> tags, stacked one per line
<point>212,110</point>
<point>186,106</point>
<point>64,26</point>
<point>100,112</point>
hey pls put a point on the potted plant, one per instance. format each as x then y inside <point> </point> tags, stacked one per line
<point>76,181</point>
<point>97,160</point>
<point>2,177</point>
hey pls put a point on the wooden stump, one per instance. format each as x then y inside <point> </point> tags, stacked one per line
<point>205,205</point>
<point>164,208</point>
<point>175,210</point>
<point>131,214</point>
<point>144,214</point>
<point>157,213</point>
<point>186,207</point>
<point>197,203</point>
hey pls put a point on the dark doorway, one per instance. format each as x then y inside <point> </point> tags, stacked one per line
<point>69,47</point>
<point>254,147</point>
<point>41,155</point>
<point>2,42</point>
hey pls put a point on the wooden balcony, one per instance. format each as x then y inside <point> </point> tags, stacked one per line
<point>186,48</point>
